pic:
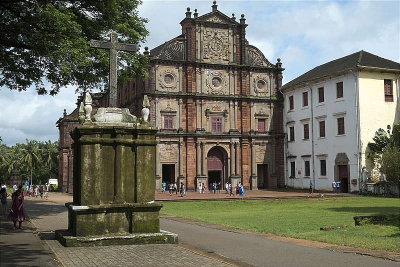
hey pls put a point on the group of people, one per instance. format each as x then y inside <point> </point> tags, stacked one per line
<point>336,187</point>
<point>173,188</point>
<point>16,211</point>
<point>39,190</point>
<point>216,188</point>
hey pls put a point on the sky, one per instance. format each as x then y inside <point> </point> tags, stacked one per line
<point>304,34</point>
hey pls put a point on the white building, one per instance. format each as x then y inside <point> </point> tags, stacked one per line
<point>332,113</point>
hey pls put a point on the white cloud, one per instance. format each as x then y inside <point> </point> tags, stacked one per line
<point>303,33</point>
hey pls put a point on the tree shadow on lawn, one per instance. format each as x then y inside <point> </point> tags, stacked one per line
<point>393,213</point>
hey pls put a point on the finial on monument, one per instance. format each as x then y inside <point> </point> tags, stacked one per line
<point>214,6</point>
<point>233,16</point>
<point>145,109</point>
<point>242,19</point>
<point>65,113</point>
<point>188,13</point>
<point>88,107</point>
<point>195,14</point>
<point>146,51</point>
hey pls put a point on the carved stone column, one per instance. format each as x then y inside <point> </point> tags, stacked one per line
<point>253,126</point>
<point>204,159</point>
<point>237,157</point>
<point>231,83</point>
<point>180,115</point>
<point>254,181</point>
<point>202,115</point>
<point>232,150</point>
<point>198,115</point>
<point>156,118</point>
<point>180,79</point>
<point>158,167</point>
<point>231,116</point>
<point>235,112</point>
<point>198,159</point>
<point>181,177</point>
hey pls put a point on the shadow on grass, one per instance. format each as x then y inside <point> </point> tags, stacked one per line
<point>392,213</point>
<point>371,210</point>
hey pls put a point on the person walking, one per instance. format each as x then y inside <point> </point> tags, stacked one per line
<point>3,197</point>
<point>17,213</point>
<point>311,187</point>
<point>182,189</point>
<point>203,188</point>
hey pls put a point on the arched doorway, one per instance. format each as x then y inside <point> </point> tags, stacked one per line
<point>216,166</point>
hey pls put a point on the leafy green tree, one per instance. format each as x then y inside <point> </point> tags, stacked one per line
<point>386,149</point>
<point>30,157</point>
<point>47,40</point>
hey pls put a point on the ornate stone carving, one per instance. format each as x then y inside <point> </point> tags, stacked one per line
<point>168,152</point>
<point>168,79</point>
<point>215,19</point>
<point>217,82</point>
<point>216,45</point>
<point>261,155</point>
<point>256,58</point>
<point>260,84</point>
<point>172,50</point>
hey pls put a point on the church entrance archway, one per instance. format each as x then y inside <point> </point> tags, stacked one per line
<point>168,173</point>
<point>217,166</point>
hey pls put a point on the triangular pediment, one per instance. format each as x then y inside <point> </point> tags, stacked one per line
<point>217,17</point>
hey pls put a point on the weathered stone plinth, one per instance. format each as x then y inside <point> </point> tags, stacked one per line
<point>114,186</point>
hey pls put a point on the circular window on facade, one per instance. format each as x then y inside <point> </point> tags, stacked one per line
<point>216,82</point>
<point>168,78</point>
<point>261,84</point>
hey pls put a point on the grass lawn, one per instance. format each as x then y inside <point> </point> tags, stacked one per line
<point>302,218</point>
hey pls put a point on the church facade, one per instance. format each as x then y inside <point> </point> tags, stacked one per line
<point>217,104</point>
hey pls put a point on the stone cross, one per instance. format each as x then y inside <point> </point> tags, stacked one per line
<point>114,47</point>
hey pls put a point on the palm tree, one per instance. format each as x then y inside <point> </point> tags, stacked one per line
<point>30,156</point>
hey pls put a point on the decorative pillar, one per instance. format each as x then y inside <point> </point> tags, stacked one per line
<point>158,167</point>
<point>232,150</point>
<point>198,115</point>
<point>253,126</point>
<point>202,116</point>
<point>204,159</point>
<point>181,177</point>
<point>237,157</point>
<point>180,115</point>
<point>254,181</point>
<point>235,108</point>
<point>198,159</point>
<point>180,79</point>
<point>156,123</point>
<point>231,116</point>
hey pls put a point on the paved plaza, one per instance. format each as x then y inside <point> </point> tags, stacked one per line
<point>200,244</point>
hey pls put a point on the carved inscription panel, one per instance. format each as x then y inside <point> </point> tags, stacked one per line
<point>168,153</point>
<point>216,46</point>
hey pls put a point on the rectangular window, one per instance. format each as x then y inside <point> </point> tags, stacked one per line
<point>306,132</point>
<point>340,126</point>
<point>168,122</point>
<point>216,124</point>
<point>339,90</point>
<point>291,133</point>
<point>322,163</point>
<point>292,169</point>
<point>322,129</point>
<point>321,95</point>
<point>305,99</point>
<point>291,103</point>
<point>388,85</point>
<point>261,125</point>
<point>307,168</point>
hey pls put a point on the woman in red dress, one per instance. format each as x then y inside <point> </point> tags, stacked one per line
<point>17,208</point>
